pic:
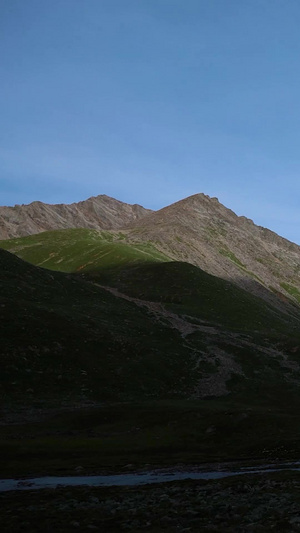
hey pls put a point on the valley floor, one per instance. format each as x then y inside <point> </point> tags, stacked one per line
<point>128,437</point>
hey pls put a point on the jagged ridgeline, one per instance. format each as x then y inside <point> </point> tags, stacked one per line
<point>97,212</point>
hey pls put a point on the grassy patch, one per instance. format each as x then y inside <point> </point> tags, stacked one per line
<point>293,291</point>
<point>231,256</point>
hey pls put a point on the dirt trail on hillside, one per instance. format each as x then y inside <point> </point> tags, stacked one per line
<point>183,326</point>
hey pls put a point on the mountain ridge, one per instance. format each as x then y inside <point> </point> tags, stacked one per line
<point>97,212</point>
<point>198,230</point>
<point>203,232</point>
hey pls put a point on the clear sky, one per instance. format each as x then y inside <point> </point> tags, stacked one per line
<point>150,101</point>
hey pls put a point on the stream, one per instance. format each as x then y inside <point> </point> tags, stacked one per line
<point>140,478</point>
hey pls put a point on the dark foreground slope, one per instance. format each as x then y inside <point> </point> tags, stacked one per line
<point>176,332</point>
<point>147,330</point>
<point>95,377</point>
<point>64,339</point>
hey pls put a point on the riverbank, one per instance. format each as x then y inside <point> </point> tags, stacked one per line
<point>126,439</point>
<point>149,477</point>
<point>250,503</point>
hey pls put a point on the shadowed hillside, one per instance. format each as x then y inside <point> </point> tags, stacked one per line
<point>78,340</point>
<point>66,339</point>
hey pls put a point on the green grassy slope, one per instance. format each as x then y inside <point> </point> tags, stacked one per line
<point>80,250</point>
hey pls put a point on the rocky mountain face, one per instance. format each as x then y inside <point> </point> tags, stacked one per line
<point>201,231</point>
<point>100,212</point>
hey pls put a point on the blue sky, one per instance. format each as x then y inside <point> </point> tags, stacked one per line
<point>150,101</point>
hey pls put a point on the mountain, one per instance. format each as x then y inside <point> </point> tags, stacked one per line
<point>118,349</point>
<point>203,232</point>
<point>198,230</point>
<point>100,212</point>
<point>194,268</point>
